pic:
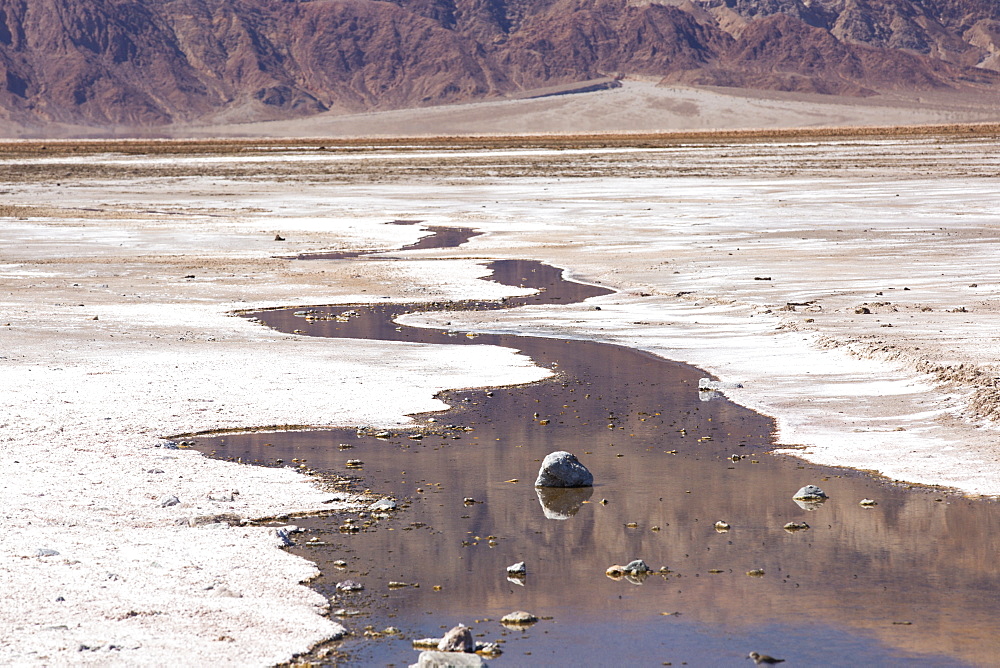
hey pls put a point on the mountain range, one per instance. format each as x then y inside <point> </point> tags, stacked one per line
<point>125,63</point>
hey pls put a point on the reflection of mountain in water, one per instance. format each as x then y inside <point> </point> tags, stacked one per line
<point>918,574</point>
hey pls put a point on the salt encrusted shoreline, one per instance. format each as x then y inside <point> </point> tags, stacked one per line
<point>160,264</point>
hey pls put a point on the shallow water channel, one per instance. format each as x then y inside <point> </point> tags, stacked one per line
<point>913,580</point>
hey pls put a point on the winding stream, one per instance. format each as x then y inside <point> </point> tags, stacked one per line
<point>913,580</point>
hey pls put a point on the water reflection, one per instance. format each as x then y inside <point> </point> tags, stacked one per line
<point>914,580</point>
<point>561,503</point>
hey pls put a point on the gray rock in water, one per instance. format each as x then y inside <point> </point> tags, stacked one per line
<point>169,500</point>
<point>562,503</point>
<point>636,567</point>
<point>169,445</point>
<point>518,618</point>
<point>517,569</point>
<point>349,585</point>
<point>459,639</point>
<point>382,505</point>
<point>449,660</point>
<point>489,648</point>
<point>563,469</point>
<point>283,537</point>
<point>810,493</point>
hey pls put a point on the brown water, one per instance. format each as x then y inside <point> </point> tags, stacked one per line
<point>440,237</point>
<point>912,581</point>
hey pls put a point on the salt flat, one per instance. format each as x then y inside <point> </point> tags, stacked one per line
<point>755,260</point>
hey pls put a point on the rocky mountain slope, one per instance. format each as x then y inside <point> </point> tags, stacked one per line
<point>155,62</point>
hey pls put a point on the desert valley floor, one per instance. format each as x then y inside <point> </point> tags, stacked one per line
<point>846,281</point>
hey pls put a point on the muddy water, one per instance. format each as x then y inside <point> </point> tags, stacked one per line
<point>911,581</point>
<point>440,237</point>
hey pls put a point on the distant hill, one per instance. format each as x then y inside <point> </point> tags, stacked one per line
<point>149,63</point>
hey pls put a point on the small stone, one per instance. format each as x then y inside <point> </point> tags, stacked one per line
<point>382,505</point>
<point>349,585</point>
<point>636,567</point>
<point>518,618</point>
<point>351,612</point>
<point>426,643</point>
<point>810,493</point>
<point>459,639</point>
<point>709,385</point>
<point>46,552</point>
<point>517,569</point>
<point>468,501</point>
<point>868,503</point>
<point>354,463</point>
<point>792,527</point>
<point>283,538</point>
<point>166,501</point>
<point>399,585</point>
<point>225,497</point>
<point>278,237</point>
<point>756,573</point>
<point>615,572</point>
<point>340,563</point>
<point>563,469</point>
<point>722,527</point>
<point>488,648</point>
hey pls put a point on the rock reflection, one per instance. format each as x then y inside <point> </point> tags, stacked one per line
<point>562,503</point>
<point>809,504</point>
<point>916,574</point>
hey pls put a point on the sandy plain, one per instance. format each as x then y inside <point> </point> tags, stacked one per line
<point>638,105</point>
<point>751,256</point>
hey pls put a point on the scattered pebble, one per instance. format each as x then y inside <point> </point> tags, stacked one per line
<point>792,527</point>
<point>722,527</point>
<point>637,567</point>
<point>426,643</point>
<point>166,501</point>
<point>351,612</point>
<point>349,585</point>
<point>868,503</point>
<point>518,618</point>
<point>517,569</point>
<point>458,639</point>
<point>382,505</point>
